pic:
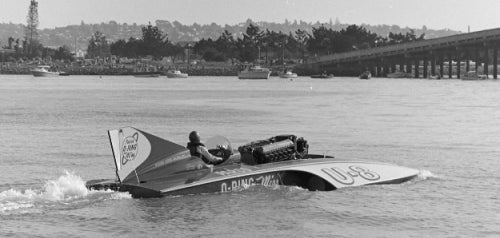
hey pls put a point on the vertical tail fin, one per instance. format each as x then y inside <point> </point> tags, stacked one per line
<point>130,149</point>
<point>137,153</point>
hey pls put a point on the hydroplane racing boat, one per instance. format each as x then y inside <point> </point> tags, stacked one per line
<point>149,166</point>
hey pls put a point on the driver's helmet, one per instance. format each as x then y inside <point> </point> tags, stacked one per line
<point>194,137</point>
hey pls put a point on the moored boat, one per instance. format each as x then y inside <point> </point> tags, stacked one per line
<point>149,166</point>
<point>365,75</point>
<point>176,74</point>
<point>44,71</point>
<point>254,72</point>
<point>322,76</point>
<point>473,75</point>
<point>435,76</point>
<point>288,74</point>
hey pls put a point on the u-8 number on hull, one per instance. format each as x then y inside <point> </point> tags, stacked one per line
<point>347,177</point>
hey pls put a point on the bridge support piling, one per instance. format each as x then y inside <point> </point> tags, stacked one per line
<point>408,66</point>
<point>425,67</point>
<point>417,66</point>
<point>458,65</point>
<point>441,66</point>
<point>486,61</point>
<point>433,66</point>
<point>477,59</point>
<point>450,67</point>
<point>402,66</point>
<point>495,62</point>
<point>467,62</point>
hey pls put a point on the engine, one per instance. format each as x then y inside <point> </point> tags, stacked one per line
<point>274,149</point>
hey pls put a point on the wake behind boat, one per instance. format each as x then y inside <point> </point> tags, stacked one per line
<point>149,166</point>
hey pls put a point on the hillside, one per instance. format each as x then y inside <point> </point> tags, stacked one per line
<point>177,32</point>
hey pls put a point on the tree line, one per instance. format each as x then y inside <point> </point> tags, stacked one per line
<point>153,43</point>
<point>272,46</point>
<point>275,46</point>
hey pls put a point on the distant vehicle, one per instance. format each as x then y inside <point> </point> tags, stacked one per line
<point>288,74</point>
<point>176,74</point>
<point>254,72</point>
<point>365,75</point>
<point>44,71</point>
<point>473,75</point>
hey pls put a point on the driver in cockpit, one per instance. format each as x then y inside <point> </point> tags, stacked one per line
<point>196,148</point>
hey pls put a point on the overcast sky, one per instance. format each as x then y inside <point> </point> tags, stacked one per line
<point>435,14</point>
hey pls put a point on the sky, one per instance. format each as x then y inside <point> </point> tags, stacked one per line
<point>434,14</point>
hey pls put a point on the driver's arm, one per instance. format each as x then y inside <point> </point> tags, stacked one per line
<point>206,154</point>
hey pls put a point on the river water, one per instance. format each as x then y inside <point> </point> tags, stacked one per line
<point>53,137</point>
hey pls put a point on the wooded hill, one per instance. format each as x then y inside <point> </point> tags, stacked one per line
<point>80,35</point>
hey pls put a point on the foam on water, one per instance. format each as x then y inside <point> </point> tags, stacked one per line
<point>68,188</point>
<point>425,174</point>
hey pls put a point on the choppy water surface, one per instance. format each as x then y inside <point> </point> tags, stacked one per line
<point>53,137</point>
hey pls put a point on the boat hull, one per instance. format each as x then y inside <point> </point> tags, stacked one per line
<point>44,74</point>
<point>322,76</point>
<point>365,75</point>
<point>176,75</point>
<point>288,76</point>
<point>313,174</point>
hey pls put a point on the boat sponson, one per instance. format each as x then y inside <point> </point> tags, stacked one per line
<point>136,190</point>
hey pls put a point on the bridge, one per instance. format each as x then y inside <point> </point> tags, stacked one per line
<point>477,49</point>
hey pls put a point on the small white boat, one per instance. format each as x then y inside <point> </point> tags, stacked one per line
<point>365,75</point>
<point>44,71</point>
<point>288,74</point>
<point>176,74</point>
<point>473,75</point>
<point>322,76</point>
<point>255,72</point>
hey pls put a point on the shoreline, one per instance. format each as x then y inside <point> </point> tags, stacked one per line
<point>107,70</point>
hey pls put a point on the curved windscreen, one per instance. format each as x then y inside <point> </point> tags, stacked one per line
<point>217,141</point>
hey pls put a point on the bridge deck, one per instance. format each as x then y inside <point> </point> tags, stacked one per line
<point>411,47</point>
